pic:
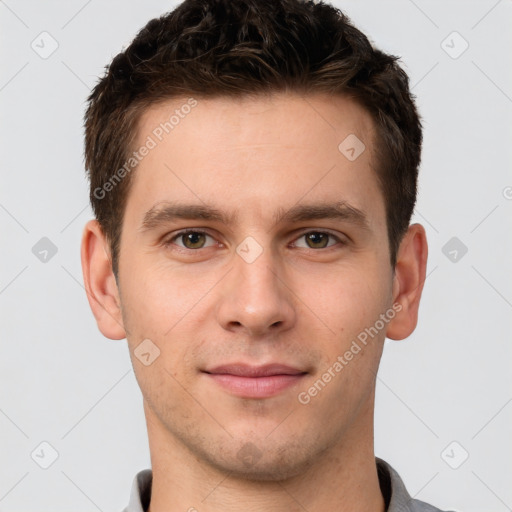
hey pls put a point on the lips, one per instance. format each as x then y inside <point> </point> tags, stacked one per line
<point>243,370</point>
<point>248,381</point>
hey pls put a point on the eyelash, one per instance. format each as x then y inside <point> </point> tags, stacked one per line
<point>176,236</point>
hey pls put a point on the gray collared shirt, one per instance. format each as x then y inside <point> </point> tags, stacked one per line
<point>393,490</point>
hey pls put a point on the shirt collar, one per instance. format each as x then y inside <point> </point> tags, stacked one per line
<point>393,489</point>
<point>141,492</point>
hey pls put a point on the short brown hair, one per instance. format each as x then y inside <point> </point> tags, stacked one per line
<point>214,48</point>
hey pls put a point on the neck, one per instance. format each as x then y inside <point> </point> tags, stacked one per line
<point>344,477</point>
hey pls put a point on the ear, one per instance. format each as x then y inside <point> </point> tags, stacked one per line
<point>100,282</point>
<point>410,272</point>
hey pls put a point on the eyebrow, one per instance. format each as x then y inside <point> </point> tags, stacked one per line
<point>336,211</point>
<point>166,212</point>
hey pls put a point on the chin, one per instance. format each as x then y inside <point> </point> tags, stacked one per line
<point>264,461</point>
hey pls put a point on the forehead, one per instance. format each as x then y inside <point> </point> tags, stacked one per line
<point>256,152</point>
<point>257,119</point>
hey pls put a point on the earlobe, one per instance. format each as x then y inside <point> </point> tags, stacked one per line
<point>409,278</point>
<point>100,283</point>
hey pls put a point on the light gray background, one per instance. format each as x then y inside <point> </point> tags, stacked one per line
<point>63,383</point>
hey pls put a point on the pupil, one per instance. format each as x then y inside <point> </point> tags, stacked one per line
<point>194,238</point>
<point>318,238</point>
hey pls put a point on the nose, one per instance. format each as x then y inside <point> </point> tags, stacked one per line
<point>256,298</point>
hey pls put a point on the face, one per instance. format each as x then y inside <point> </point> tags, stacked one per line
<point>253,255</point>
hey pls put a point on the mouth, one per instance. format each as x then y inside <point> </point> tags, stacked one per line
<point>247,381</point>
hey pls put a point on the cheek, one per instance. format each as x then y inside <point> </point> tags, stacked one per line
<point>347,298</point>
<point>155,299</point>
<point>166,306</point>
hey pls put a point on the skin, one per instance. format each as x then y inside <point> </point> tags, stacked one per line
<point>299,303</point>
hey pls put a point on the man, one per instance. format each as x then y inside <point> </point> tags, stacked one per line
<point>253,171</point>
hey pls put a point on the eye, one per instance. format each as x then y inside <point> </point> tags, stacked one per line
<point>190,239</point>
<point>318,239</point>
<point>193,239</point>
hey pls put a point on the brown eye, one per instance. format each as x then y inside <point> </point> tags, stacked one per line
<point>317,240</point>
<point>192,239</point>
